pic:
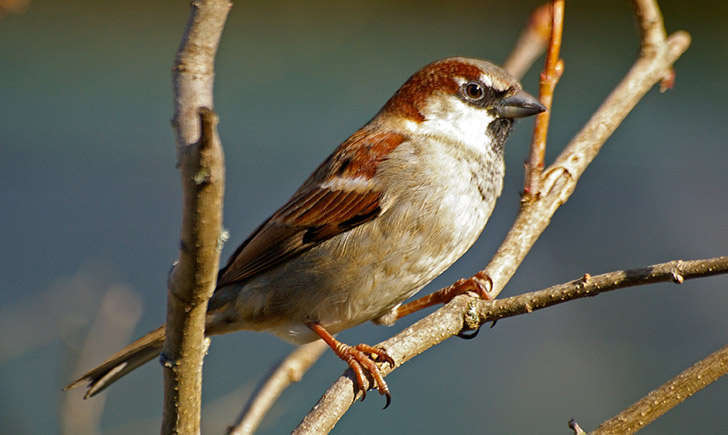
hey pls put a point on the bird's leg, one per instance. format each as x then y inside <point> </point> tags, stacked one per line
<point>359,358</point>
<point>479,283</point>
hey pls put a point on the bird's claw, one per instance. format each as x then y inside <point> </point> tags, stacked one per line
<point>469,334</point>
<point>359,358</point>
<point>480,283</point>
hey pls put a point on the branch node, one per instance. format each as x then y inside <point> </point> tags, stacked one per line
<point>201,177</point>
<point>668,80</point>
<point>224,237</point>
<point>554,173</point>
<point>165,361</point>
<point>471,317</point>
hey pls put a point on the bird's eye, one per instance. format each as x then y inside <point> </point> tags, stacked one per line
<point>473,90</point>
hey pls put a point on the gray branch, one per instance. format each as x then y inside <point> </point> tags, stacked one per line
<point>200,158</point>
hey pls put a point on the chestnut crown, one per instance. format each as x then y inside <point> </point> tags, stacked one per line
<point>476,82</point>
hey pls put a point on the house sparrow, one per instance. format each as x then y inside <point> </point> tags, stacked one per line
<point>394,206</point>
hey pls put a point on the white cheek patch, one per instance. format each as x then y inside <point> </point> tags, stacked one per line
<point>452,117</point>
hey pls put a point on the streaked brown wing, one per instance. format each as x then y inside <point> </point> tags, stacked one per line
<point>316,212</point>
<point>305,221</point>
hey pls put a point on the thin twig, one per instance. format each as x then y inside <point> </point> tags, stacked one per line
<point>550,76</point>
<point>559,182</point>
<point>650,21</point>
<point>676,271</point>
<point>202,169</point>
<point>531,43</point>
<point>669,395</point>
<point>469,312</point>
<point>290,369</point>
<point>653,34</point>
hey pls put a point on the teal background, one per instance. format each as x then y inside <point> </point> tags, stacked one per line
<point>90,195</point>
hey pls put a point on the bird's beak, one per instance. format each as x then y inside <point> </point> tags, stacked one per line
<point>519,105</point>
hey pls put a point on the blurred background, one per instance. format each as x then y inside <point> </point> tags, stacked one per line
<point>91,200</point>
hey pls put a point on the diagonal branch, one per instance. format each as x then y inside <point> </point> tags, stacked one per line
<point>290,370</point>
<point>200,156</point>
<point>468,312</point>
<point>558,182</point>
<point>669,395</point>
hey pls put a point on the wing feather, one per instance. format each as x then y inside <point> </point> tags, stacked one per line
<point>319,210</point>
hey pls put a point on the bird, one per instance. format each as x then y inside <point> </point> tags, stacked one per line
<point>388,211</point>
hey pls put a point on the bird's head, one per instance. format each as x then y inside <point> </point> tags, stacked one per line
<point>463,99</point>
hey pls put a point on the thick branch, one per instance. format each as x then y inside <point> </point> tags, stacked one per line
<point>193,73</point>
<point>468,312</point>
<point>202,169</point>
<point>193,279</point>
<point>669,395</point>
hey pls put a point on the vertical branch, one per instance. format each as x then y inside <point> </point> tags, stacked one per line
<point>653,35</point>
<point>653,32</point>
<point>201,163</point>
<point>549,78</point>
<point>193,73</point>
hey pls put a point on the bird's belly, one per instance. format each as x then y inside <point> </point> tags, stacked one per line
<point>364,273</point>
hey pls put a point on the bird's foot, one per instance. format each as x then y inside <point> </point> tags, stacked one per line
<point>360,358</point>
<point>480,283</point>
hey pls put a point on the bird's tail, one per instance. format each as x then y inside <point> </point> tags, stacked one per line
<point>121,363</point>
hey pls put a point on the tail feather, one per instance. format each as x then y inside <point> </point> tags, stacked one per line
<point>121,363</point>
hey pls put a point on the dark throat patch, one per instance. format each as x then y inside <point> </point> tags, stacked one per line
<point>498,130</point>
